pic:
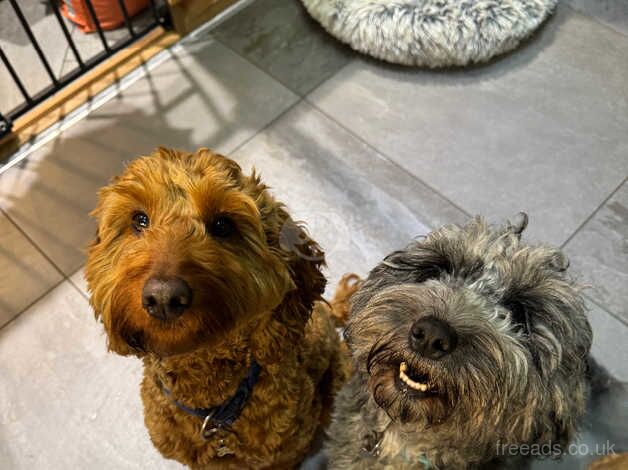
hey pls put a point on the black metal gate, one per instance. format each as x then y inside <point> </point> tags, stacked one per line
<point>158,16</point>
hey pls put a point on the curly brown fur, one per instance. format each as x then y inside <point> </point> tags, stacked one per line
<point>610,462</point>
<point>512,371</point>
<point>341,301</point>
<point>256,294</point>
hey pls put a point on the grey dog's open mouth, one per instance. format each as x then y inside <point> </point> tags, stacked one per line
<point>414,380</point>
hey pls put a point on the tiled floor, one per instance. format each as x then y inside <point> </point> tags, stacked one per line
<point>613,13</point>
<point>368,154</point>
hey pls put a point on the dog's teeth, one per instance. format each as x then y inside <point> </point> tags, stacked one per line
<point>408,381</point>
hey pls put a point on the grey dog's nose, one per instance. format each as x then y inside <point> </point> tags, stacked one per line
<point>432,338</point>
<point>166,298</point>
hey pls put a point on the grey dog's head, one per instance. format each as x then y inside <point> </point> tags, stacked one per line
<point>471,331</point>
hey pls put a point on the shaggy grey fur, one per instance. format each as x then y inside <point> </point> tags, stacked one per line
<point>517,374</point>
<point>432,33</point>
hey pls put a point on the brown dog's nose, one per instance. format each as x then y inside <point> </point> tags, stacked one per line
<point>432,338</point>
<point>166,298</point>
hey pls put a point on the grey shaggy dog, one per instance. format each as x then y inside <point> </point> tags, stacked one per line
<point>464,343</point>
<point>432,33</point>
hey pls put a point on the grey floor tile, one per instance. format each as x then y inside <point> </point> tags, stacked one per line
<point>280,37</point>
<point>79,281</point>
<point>10,96</point>
<point>613,13</point>
<point>610,347</point>
<point>599,253</point>
<point>64,401</point>
<point>205,96</point>
<point>542,129</point>
<point>330,180</point>
<point>25,274</point>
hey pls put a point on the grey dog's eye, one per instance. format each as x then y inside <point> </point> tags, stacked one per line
<point>140,222</point>
<point>518,314</point>
<point>429,272</point>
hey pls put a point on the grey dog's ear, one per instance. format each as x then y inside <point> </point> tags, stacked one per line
<point>559,261</point>
<point>518,224</point>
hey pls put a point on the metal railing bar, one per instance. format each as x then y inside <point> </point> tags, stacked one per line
<point>92,13</point>
<point>153,7</point>
<point>66,33</point>
<point>127,20</point>
<point>15,78</point>
<point>66,79</point>
<point>33,41</point>
<point>5,125</point>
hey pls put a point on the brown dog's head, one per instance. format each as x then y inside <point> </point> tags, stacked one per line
<point>188,249</point>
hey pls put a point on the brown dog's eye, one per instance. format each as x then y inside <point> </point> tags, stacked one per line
<point>222,227</point>
<point>140,221</point>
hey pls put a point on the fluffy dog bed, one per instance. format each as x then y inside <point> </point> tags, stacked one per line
<point>432,33</point>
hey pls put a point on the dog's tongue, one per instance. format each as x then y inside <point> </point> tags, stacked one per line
<point>421,387</point>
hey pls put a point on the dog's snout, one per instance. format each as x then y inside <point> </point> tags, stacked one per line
<point>432,338</point>
<point>166,298</point>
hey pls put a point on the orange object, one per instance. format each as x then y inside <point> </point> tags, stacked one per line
<point>108,12</point>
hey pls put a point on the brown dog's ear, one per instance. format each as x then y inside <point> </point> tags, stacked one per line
<point>302,256</point>
<point>96,213</point>
<point>288,239</point>
<point>305,258</point>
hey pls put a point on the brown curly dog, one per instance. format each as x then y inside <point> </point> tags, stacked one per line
<point>200,272</point>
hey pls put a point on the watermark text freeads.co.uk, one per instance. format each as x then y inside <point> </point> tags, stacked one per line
<point>554,450</point>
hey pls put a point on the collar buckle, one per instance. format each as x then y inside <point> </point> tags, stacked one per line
<point>217,421</point>
<point>211,429</point>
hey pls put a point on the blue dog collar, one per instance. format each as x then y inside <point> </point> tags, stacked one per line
<point>223,416</point>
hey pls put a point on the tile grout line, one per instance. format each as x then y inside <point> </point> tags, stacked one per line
<point>62,66</point>
<point>37,299</point>
<point>351,60</point>
<point>266,126</point>
<point>258,67</point>
<point>325,80</point>
<point>65,57</point>
<point>271,75</point>
<point>388,158</point>
<point>73,284</point>
<point>32,242</point>
<point>604,309</point>
<point>596,20</point>
<point>592,214</point>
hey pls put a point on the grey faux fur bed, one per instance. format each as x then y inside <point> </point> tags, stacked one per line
<point>432,33</point>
